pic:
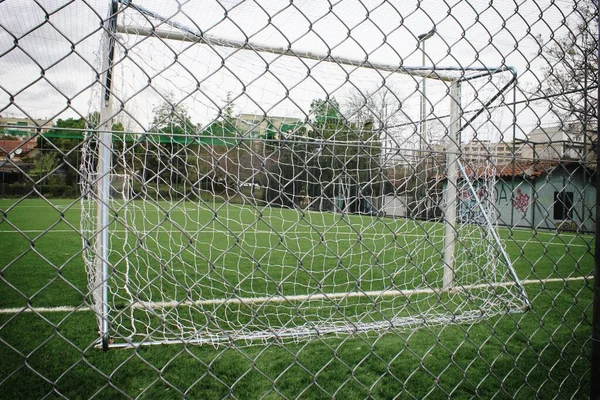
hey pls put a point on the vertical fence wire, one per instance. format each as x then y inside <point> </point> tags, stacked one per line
<point>595,358</point>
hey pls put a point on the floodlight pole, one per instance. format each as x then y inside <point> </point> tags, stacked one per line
<point>421,176</point>
<point>101,264</point>
<point>453,149</point>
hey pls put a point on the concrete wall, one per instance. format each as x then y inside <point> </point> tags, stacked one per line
<point>531,202</point>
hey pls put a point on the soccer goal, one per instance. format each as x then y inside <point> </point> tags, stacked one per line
<point>330,202</point>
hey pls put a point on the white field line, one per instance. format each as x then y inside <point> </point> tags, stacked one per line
<point>281,299</point>
<point>261,232</point>
<point>204,231</point>
<point>77,207</point>
<point>266,232</point>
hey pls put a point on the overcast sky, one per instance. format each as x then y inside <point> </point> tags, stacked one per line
<point>50,55</point>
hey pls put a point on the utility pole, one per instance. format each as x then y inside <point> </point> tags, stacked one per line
<point>421,190</point>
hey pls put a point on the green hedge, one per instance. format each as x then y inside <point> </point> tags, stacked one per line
<point>28,189</point>
<point>206,193</point>
<point>16,190</point>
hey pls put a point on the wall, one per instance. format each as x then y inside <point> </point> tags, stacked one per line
<point>530,203</point>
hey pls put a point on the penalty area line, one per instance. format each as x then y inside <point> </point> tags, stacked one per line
<point>279,299</point>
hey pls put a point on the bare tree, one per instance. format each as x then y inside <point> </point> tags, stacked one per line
<point>380,106</point>
<point>381,109</point>
<point>570,79</point>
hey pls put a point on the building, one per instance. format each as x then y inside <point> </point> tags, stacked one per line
<point>16,149</point>
<point>567,143</point>
<point>500,153</point>
<point>12,153</point>
<point>263,126</point>
<point>22,127</point>
<point>18,143</point>
<point>557,195</point>
<point>544,195</point>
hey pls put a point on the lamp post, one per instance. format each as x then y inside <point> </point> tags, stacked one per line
<point>422,38</point>
<point>421,194</point>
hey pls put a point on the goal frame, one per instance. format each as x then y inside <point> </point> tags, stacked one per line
<point>182,33</point>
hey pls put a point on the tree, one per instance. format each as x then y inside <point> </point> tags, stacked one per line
<point>43,167</point>
<point>169,139</point>
<point>173,120</point>
<point>62,143</point>
<point>380,106</point>
<point>382,109</point>
<point>325,112</point>
<point>336,159</point>
<point>570,78</point>
<point>228,110</point>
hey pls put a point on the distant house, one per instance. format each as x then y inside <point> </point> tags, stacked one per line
<point>17,141</point>
<point>499,153</point>
<point>545,195</point>
<point>541,195</point>
<point>568,142</point>
<point>15,149</point>
<point>266,126</point>
<point>22,127</point>
<point>12,153</point>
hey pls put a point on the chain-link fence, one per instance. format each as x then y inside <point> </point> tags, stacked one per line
<point>297,199</point>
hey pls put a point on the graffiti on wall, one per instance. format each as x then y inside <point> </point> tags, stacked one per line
<point>521,202</point>
<point>473,205</point>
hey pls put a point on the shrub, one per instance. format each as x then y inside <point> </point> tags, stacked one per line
<point>28,189</point>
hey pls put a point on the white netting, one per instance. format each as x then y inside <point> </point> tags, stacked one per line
<point>268,196</point>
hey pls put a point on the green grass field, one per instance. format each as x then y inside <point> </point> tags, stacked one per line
<point>543,351</point>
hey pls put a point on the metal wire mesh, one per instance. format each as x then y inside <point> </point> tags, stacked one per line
<point>302,199</point>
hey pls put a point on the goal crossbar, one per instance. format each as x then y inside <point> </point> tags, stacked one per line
<point>186,34</point>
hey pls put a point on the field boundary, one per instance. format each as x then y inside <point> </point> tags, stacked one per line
<point>276,299</point>
<point>236,232</point>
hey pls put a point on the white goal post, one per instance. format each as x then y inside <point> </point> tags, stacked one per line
<point>197,257</point>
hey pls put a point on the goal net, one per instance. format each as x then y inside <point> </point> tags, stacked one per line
<point>262,194</point>
<point>121,187</point>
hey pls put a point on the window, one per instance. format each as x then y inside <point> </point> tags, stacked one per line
<point>563,205</point>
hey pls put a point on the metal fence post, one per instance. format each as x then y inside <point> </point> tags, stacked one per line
<point>595,362</point>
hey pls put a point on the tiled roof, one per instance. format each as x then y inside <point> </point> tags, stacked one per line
<point>9,146</point>
<point>526,169</point>
<point>530,169</point>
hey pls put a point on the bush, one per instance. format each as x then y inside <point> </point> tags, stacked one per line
<point>58,191</point>
<point>14,189</point>
<point>28,189</point>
